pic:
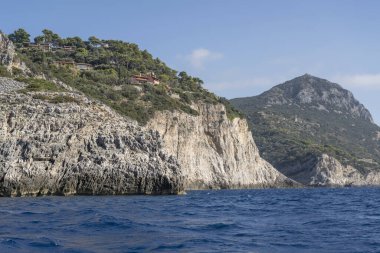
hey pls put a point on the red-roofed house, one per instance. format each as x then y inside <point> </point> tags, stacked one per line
<point>141,79</point>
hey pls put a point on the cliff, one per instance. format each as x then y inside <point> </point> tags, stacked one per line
<point>7,51</point>
<point>49,146</point>
<point>325,170</point>
<point>213,151</point>
<point>315,132</point>
<point>55,139</point>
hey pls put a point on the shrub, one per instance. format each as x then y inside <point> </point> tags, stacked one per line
<point>38,85</point>
<point>130,92</point>
<point>56,99</point>
<point>4,72</point>
<point>16,71</point>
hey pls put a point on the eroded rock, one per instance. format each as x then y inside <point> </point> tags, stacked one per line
<point>215,152</point>
<point>78,148</point>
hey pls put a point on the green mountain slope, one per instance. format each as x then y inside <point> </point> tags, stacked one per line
<point>307,117</point>
<point>103,70</point>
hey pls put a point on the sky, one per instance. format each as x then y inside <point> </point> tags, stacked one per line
<point>238,47</point>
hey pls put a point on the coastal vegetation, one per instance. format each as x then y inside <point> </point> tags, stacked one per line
<point>288,131</point>
<point>105,70</point>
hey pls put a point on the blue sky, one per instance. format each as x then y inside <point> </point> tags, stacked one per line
<point>238,47</point>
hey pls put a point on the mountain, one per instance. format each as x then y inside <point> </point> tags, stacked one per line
<point>104,117</point>
<point>315,132</point>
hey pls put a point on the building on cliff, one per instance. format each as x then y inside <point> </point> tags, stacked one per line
<point>48,47</point>
<point>73,65</point>
<point>83,66</point>
<point>149,78</point>
<point>70,64</point>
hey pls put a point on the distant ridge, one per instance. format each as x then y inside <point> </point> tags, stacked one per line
<point>308,90</point>
<point>297,122</point>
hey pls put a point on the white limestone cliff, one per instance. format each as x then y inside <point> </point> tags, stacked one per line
<point>213,151</point>
<point>325,170</point>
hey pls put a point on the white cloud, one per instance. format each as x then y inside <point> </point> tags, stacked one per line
<point>366,81</point>
<point>200,56</point>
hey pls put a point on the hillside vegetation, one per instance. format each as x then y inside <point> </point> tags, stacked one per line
<point>309,116</point>
<point>109,66</point>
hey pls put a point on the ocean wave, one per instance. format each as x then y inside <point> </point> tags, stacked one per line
<point>226,221</point>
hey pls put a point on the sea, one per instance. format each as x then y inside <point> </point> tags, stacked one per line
<point>267,220</point>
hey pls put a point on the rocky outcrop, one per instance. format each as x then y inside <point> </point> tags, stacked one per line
<point>330,172</point>
<point>377,137</point>
<point>8,57</point>
<point>213,151</point>
<point>80,147</point>
<point>7,51</point>
<point>325,170</point>
<point>7,85</point>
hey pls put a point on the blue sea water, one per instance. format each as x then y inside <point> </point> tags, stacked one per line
<point>272,220</point>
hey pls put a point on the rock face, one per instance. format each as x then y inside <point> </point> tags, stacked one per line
<point>328,171</point>
<point>315,132</point>
<point>7,51</point>
<point>78,148</point>
<point>8,85</point>
<point>213,151</point>
<point>325,171</point>
<point>8,57</point>
<point>83,147</point>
